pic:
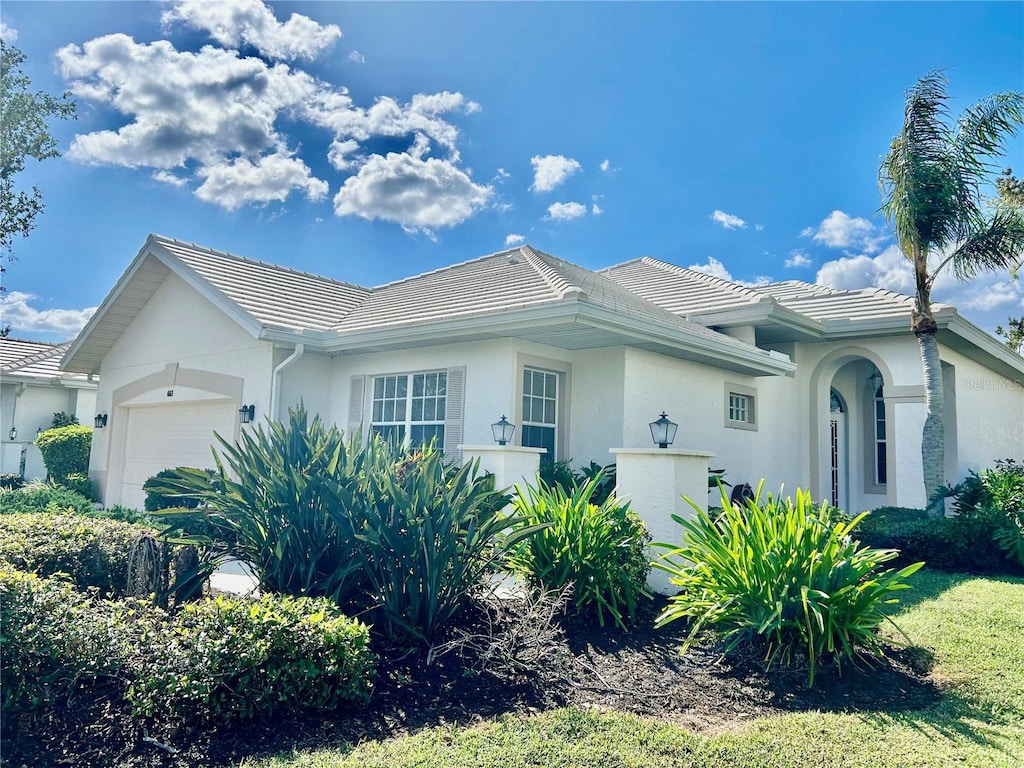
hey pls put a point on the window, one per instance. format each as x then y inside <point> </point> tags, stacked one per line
<point>540,411</point>
<point>879,424</point>
<point>740,406</point>
<point>410,407</point>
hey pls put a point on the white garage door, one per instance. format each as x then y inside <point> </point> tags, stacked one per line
<point>180,435</point>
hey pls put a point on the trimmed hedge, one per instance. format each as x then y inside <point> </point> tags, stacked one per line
<point>961,543</point>
<point>92,552</point>
<point>44,497</point>
<point>217,661</point>
<point>65,451</point>
<point>230,659</point>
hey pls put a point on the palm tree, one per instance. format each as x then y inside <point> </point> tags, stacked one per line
<point>930,184</point>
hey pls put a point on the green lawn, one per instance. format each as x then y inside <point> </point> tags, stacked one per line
<point>973,626</point>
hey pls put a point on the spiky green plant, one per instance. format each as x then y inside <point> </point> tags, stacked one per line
<point>599,548</point>
<point>784,575</point>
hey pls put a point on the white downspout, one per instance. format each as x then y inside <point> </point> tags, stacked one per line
<point>275,384</point>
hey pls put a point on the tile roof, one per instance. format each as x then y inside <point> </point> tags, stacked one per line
<point>681,291</point>
<point>31,359</point>
<point>275,296</point>
<point>820,302</point>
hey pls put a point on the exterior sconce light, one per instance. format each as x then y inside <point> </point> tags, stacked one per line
<point>663,431</point>
<point>503,430</point>
<point>875,380</point>
<point>247,413</point>
<point>100,421</point>
<point>13,434</point>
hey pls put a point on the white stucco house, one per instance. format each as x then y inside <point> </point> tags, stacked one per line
<point>795,383</point>
<point>32,390</point>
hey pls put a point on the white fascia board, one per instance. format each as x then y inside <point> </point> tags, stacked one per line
<point>761,314</point>
<point>984,342</point>
<point>206,289</point>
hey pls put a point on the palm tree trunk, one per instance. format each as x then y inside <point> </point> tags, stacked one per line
<point>933,437</point>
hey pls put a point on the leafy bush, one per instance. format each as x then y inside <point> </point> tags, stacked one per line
<point>91,552</point>
<point>80,483</point>
<point>157,500</point>
<point>46,497</point>
<point>63,419</point>
<point>430,533</point>
<point>784,576</point>
<point>599,548</point>
<point>959,543</point>
<point>57,638</point>
<point>65,451</point>
<point>11,480</point>
<point>228,659</point>
<point>559,474</point>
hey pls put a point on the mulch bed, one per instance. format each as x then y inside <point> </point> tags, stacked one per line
<point>639,672</point>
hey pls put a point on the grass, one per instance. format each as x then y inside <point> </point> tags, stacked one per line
<point>973,626</point>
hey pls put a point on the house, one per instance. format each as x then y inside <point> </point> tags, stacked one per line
<point>32,390</point>
<point>796,383</point>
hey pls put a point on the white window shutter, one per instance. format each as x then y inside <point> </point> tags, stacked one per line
<point>454,408</point>
<point>356,397</point>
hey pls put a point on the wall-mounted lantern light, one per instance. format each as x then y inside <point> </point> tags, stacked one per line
<point>502,431</point>
<point>663,431</point>
<point>100,421</point>
<point>247,413</point>
<point>13,434</point>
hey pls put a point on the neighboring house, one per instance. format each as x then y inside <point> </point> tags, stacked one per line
<point>32,390</point>
<point>796,383</point>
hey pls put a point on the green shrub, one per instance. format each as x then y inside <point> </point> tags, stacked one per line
<point>56,638</point>
<point>65,451</point>
<point>157,499</point>
<point>229,659</point>
<point>430,533</point>
<point>44,497</point>
<point>783,576</point>
<point>63,419</point>
<point>11,480</point>
<point>81,484</point>
<point>559,474</point>
<point>92,552</point>
<point>599,548</point>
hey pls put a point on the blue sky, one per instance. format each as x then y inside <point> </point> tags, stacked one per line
<point>370,142</point>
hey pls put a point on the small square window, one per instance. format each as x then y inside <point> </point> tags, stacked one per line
<point>740,407</point>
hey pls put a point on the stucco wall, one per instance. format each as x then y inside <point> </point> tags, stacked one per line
<point>31,411</point>
<point>178,327</point>
<point>309,380</point>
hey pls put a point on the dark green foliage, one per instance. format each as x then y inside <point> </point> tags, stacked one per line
<point>155,500</point>
<point>782,576</point>
<point>217,661</point>
<point>44,497</point>
<point>80,483</point>
<point>92,552</point>
<point>598,548</point>
<point>559,474</point>
<point>11,480</point>
<point>63,419</point>
<point>430,533</point>
<point>65,451</point>
<point>229,659</point>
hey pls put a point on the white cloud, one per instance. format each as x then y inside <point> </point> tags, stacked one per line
<point>715,268</point>
<point>727,220</point>
<point>169,178</point>
<point>356,57</point>
<point>840,230</point>
<point>271,178</point>
<point>8,34</point>
<point>502,175</point>
<point>551,170</point>
<point>24,318</point>
<point>605,166</point>
<point>759,227</point>
<point>566,211</point>
<point>596,209</point>
<point>419,194</point>
<point>514,239</point>
<point>984,295</point>
<point>233,23</point>
<point>798,259</point>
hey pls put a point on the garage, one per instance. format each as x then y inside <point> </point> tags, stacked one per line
<point>180,435</point>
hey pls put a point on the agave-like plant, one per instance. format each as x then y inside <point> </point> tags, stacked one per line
<point>782,574</point>
<point>599,548</point>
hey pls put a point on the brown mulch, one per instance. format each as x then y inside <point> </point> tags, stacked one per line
<point>640,672</point>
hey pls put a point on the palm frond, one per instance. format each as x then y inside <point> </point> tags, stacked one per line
<point>997,245</point>
<point>982,130</point>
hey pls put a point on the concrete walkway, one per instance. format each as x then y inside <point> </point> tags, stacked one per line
<point>234,577</point>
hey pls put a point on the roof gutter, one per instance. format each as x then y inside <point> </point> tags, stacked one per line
<point>275,384</point>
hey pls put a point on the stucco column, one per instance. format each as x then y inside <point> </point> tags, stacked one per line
<point>654,480</point>
<point>907,424</point>
<point>510,464</point>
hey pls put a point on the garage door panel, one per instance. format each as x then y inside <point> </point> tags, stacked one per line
<point>171,436</point>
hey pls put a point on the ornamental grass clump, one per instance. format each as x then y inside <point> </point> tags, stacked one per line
<point>782,575</point>
<point>598,548</point>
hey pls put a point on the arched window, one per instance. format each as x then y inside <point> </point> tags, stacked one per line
<point>879,437</point>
